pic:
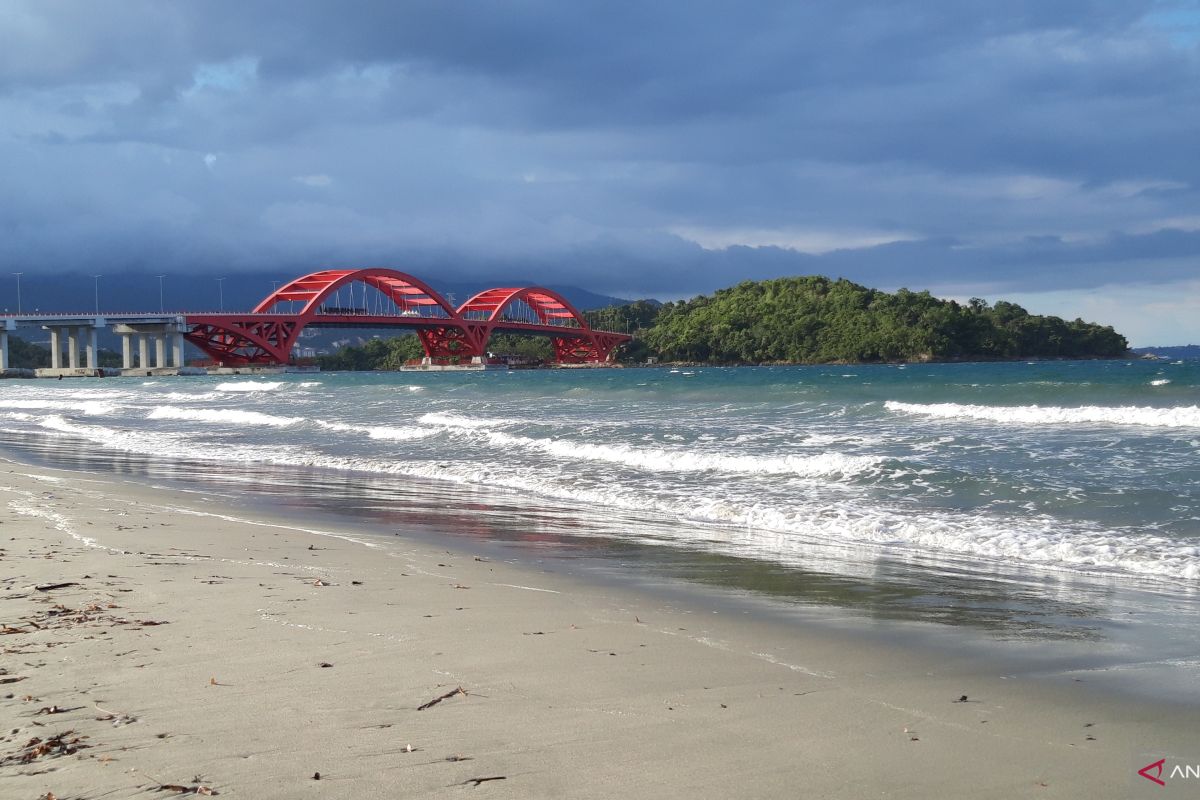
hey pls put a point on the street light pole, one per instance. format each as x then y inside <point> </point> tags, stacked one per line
<point>97,280</point>
<point>160,293</point>
<point>221,292</point>
<point>18,274</point>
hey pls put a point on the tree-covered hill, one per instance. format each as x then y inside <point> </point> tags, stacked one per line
<point>814,319</point>
<point>809,319</point>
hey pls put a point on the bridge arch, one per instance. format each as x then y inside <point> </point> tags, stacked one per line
<point>268,334</point>
<point>536,309</point>
<point>411,295</point>
<point>549,307</point>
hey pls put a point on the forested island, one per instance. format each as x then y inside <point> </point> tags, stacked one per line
<point>804,320</point>
<point>800,320</point>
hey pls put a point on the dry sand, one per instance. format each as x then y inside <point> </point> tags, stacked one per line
<point>244,656</point>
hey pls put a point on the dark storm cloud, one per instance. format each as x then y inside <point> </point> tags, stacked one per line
<point>634,148</point>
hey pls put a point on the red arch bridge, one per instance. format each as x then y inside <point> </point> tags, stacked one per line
<point>385,298</point>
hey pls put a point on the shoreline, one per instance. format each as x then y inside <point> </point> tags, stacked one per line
<point>572,688</point>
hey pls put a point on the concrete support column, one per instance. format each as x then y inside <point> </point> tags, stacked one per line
<point>56,348</point>
<point>177,348</point>
<point>143,351</point>
<point>160,351</point>
<point>93,352</point>
<point>73,348</point>
<point>3,350</point>
<point>127,350</point>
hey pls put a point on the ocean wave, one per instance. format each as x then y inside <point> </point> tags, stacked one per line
<point>198,397</point>
<point>785,532</point>
<point>819,465</point>
<point>384,432</point>
<point>1172,417</point>
<point>222,416</point>
<point>781,531</point>
<point>1160,382</point>
<point>91,408</point>
<point>249,386</point>
<point>168,445</point>
<point>444,420</point>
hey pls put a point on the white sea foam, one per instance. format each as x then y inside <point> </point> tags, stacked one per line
<point>385,432</point>
<point>197,397</point>
<point>1160,382</point>
<point>821,465</point>
<point>1172,417</point>
<point>457,421</point>
<point>222,416</point>
<point>168,445</point>
<point>91,408</point>
<point>787,532</point>
<point>249,386</point>
<point>782,529</point>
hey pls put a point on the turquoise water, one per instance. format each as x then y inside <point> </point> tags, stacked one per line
<point>1086,468</point>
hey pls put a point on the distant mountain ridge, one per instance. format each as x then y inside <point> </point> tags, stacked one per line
<point>1171,351</point>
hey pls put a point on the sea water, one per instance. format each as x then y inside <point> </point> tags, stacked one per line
<point>1048,513</point>
<point>1090,468</point>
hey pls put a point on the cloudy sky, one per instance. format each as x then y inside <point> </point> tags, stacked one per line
<point>1047,152</point>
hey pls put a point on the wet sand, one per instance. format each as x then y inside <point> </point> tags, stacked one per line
<point>244,656</point>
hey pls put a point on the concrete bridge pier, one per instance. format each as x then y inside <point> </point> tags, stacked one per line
<point>3,349</point>
<point>151,343</point>
<point>73,347</point>
<point>80,340</point>
<point>55,349</point>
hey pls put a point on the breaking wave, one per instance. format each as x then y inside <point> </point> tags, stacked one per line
<point>91,408</point>
<point>777,530</point>
<point>385,432</point>
<point>249,386</point>
<point>444,420</point>
<point>820,465</point>
<point>222,416</point>
<point>1175,417</point>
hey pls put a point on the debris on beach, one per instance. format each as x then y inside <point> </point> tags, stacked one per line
<point>477,781</point>
<point>61,744</point>
<point>115,717</point>
<point>54,710</point>
<point>179,788</point>
<point>446,696</point>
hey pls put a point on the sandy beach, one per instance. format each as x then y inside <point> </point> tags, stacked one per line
<point>152,645</point>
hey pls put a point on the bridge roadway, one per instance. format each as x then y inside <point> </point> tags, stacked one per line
<point>363,298</point>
